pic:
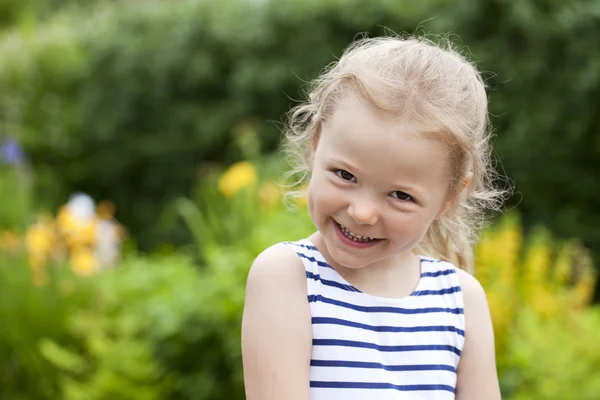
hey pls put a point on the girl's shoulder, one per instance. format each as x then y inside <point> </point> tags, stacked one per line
<point>276,283</point>
<point>471,288</point>
<point>278,263</point>
<point>278,271</point>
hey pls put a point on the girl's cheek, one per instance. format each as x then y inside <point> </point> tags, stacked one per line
<point>331,195</point>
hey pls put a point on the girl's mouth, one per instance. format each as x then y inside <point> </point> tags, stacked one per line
<point>353,239</point>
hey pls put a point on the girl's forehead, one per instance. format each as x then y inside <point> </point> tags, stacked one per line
<point>380,146</point>
<point>358,113</point>
<point>356,123</point>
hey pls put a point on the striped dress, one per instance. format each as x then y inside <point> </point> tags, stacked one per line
<point>367,347</point>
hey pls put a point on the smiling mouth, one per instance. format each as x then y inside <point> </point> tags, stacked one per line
<point>355,238</point>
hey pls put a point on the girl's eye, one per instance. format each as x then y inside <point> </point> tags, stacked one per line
<point>345,175</point>
<point>401,196</point>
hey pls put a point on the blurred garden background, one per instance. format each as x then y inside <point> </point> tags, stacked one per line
<point>139,170</point>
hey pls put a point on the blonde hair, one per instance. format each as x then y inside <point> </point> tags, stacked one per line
<point>429,86</point>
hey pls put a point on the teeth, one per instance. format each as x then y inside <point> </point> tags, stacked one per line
<point>356,238</point>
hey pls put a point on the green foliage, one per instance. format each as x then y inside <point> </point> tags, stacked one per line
<point>253,219</point>
<point>27,12</point>
<point>28,315</point>
<point>157,328</point>
<point>15,187</point>
<point>550,359</point>
<point>154,328</point>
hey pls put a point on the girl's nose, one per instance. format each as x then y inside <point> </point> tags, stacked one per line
<point>363,212</point>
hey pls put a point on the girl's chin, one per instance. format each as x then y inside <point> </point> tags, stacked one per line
<point>347,260</point>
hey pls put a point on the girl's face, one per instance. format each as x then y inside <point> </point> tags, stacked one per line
<point>376,185</point>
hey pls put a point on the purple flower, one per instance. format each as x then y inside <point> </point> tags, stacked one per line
<point>11,152</point>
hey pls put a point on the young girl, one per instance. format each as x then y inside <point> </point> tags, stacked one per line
<point>395,140</point>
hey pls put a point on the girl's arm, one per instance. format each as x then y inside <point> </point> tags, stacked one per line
<point>477,375</point>
<point>276,328</point>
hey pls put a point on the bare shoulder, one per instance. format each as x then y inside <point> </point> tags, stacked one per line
<point>477,373</point>
<point>278,262</point>
<point>473,292</point>
<point>276,328</point>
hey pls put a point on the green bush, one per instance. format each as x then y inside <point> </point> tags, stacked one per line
<point>23,12</point>
<point>550,359</point>
<point>156,329</point>
<point>29,314</point>
<point>161,328</point>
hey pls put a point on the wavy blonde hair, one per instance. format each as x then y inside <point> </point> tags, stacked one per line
<point>432,87</point>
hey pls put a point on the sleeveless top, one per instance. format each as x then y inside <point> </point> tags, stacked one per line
<point>368,347</point>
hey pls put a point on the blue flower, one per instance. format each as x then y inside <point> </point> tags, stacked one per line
<point>11,152</point>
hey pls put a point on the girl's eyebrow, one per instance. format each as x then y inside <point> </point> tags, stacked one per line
<point>413,190</point>
<point>344,164</point>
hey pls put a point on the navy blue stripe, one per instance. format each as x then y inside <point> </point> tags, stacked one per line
<point>306,246</point>
<point>437,273</point>
<point>327,282</point>
<point>374,365</point>
<point>382,309</point>
<point>365,345</point>
<point>312,259</point>
<point>351,288</point>
<point>375,385</point>
<point>454,289</point>
<point>435,328</point>
<point>431,260</point>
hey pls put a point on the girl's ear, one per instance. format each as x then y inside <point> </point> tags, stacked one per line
<point>452,199</point>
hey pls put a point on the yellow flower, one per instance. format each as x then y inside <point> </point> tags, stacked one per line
<point>76,232</point>
<point>239,176</point>
<point>563,269</point>
<point>526,274</point>
<point>39,240</point>
<point>83,262</point>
